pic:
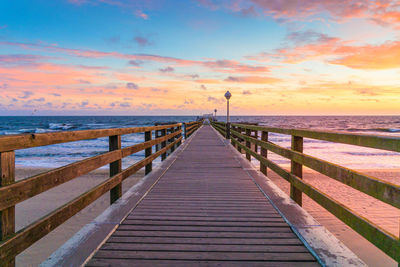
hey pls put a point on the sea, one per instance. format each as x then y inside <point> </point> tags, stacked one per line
<point>62,154</point>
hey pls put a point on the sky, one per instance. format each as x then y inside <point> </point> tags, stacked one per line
<point>166,57</point>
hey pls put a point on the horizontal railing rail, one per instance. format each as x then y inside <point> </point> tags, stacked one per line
<point>167,139</point>
<point>245,137</point>
<point>191,127</point>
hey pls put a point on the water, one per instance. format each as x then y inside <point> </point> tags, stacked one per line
<point>346,155</point>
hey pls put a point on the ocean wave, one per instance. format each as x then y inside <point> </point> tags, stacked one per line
<point>61,126</point>
<point>353,153</point>
<point>387,130</point>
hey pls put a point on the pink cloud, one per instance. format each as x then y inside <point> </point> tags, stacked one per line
<point>380,11</point>
<point>140,14</point>
<point>229,66</point>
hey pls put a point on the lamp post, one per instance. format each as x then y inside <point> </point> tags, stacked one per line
<point>228,128</point>
<point>215,111</point>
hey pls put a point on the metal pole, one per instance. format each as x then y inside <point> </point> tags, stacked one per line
<point>228,131</point>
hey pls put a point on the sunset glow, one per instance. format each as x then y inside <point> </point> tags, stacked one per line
<point>127,57</point>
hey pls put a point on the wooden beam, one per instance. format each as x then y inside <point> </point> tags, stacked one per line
<point>7,216</point>
<point>264,152</point>
<point>115,167</point>
<point>148,152</point>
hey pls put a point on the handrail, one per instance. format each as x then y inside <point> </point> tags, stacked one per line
<point>377,188</point>
<point>13,192</point>
<point>191,127</point>
<point>20,141</point>
<point>372,141</point>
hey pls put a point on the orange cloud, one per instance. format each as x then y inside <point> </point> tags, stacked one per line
<point>385,56</point>
<point>252,79</point>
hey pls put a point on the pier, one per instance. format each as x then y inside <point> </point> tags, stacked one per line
<point>205,205</point>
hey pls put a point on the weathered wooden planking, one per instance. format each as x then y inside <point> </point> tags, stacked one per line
<point>205,209</point>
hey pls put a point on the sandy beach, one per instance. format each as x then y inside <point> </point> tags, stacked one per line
<point>382,214</point>
<point>38,206</point>
<point>378,212</point>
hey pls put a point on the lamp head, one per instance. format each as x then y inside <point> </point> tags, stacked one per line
<point>228,95</point>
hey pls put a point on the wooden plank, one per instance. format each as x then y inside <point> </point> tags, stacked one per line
<point>203,247</point>
<point>7,216</point>
<point>199,240</point>
<point>200,255</point>
<point>203,234</point>
<point>99,262</point>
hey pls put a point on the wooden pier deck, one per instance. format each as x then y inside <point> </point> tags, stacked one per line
<point>204,211</point>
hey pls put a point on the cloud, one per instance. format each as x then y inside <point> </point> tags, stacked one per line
<point>140,14</point>
<point>135,63</point>
<point>113,39</point>
<point>21,59</point>
<point>4,86</point>
<point>383,12</point>
<point>252,79</point>
<point>229,66</point>
<point>203,87</point>
<point>131,85</point>
<point>214,100</point>
<point>384,56</point>
<point>309,36</point>
<point>159,90</point>
<point>41,99</point>
<point>193,76</point>
<point>55,94</point>
<point>26,94</point>
<point>167,69</point>
<point>83,104</point>
<point>246,92</point>
<point>142,41</point>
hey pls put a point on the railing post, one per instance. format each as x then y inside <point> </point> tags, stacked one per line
<point>264,152</point>
<point>7,216</point>
<point>163,144</point>
<point>256,137</point>
<point>233,143</point>
<point>239,129</point>
<point>185,132</point>
<point>296,169</point>
<point>172,140</point>
<point>115,167</point>
<point>157,135</point>
<point>180,135</point>
<point>148,152</point>
<point>248,144</point>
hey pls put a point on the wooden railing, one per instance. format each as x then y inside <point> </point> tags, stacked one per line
<point>167,139</point>
<point>246,138</point>
<point>191,127</point>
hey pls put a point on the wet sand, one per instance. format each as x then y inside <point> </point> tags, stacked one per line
<point>382,214</point>
<point>40,205</point>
